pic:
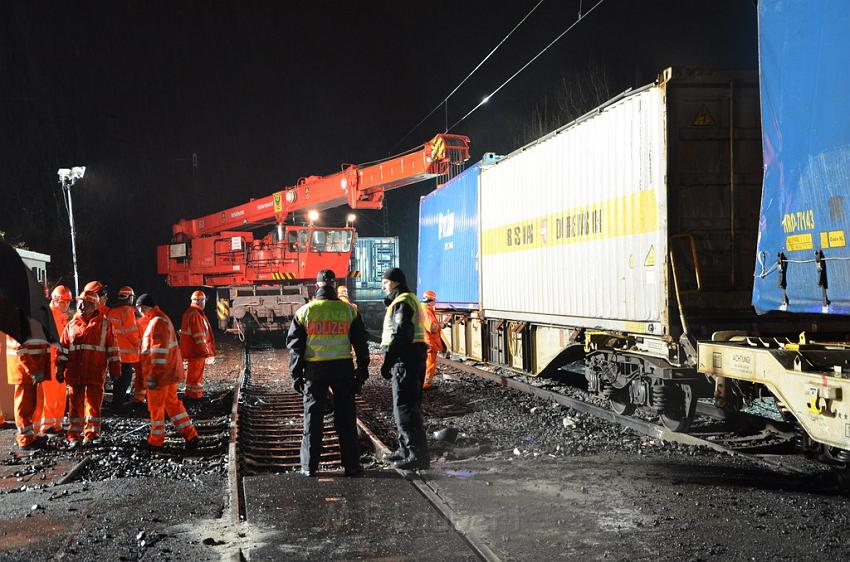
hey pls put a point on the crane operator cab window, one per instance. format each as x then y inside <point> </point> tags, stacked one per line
<point>331,241</point>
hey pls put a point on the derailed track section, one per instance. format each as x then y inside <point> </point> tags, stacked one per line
<point>741,447</point>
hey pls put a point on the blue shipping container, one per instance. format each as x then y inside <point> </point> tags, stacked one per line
<point>804,47</point>
<point>448,242</point>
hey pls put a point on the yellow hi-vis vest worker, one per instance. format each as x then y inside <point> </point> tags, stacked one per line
<point>418,327</point>
<point>327,323</point>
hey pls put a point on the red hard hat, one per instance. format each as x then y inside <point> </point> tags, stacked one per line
<point>429,295</point>
<point>95,286</point>
<point>125,292</point>
<point>198,295</point>
<point>88,296</point>
<point>61,292</point>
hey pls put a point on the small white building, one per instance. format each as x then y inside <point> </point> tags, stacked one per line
<point>37,262</point>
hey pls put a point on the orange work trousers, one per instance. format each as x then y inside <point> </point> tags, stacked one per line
<point>162,401</point>
<point>84,400</point>
<point>51,399</point>
<point>430,368</point>
<point>139,389</point>
<point>26,401</point>
<point>194,378</point>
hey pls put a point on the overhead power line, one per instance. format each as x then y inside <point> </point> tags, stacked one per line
<point>445,100</point>
<point>486,98</point>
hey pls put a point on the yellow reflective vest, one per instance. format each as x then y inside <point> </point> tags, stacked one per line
<point>327,323</point>
<point>418,327</point>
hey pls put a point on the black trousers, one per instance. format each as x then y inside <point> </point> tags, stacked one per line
<point>120,386</point>
<point>408,374</point>
<point>318,379</point>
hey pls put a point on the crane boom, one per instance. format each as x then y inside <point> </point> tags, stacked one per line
<point>360,187</point>
<point>260,273</point>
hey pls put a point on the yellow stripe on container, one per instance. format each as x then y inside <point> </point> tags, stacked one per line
<point>635,213</point>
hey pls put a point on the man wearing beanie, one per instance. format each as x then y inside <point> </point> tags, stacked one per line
<point>403,342</point>
<point>320,339</point>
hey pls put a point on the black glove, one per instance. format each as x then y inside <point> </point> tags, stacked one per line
<point>60,376</point>
<point>385,371</point>
<point>298,385</point>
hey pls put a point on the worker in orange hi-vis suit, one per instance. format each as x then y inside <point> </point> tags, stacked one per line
<point>87,350</point>
<point>52,393</point>
<point>196,344</point>
<point>342,293</point>
<point>140,389</point>
<point>27,365</point>
<point>162,368</point>
<point>432,336</point>
<point>122,318</point>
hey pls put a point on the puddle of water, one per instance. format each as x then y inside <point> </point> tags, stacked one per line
<point>460,473</point>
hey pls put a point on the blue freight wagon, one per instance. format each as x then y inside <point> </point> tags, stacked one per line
<point>449,242</point>
<point>803,260</point>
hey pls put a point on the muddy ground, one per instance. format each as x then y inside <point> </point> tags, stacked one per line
<point>531,479</point>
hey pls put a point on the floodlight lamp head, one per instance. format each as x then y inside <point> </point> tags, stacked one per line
<point>77,172</point>
<point>313,216</point>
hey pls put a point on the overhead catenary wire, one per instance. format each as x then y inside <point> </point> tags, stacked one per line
<point>445,100</point>
<point>487,98</point>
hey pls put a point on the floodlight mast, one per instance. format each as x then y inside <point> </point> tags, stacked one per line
<point>67,178</point>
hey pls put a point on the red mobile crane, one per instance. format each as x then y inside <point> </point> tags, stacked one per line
<point>260,274</point>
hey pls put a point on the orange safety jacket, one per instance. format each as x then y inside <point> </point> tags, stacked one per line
<point>27,359</point>
<point>87,350</point>
<point>196,337</point>
<point>161,360</point>
<point>432,328</point>
<point>61,320</point>
<point>127,334</point>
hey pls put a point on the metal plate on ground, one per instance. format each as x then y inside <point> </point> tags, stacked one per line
<point>380,517</point>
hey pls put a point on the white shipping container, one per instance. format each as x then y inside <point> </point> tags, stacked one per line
<point>574,227</point>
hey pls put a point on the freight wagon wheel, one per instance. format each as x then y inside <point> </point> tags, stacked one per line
<point>621,403</point>
<point>679,407</point>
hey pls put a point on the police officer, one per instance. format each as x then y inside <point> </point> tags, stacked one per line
<point>320,339</point>
<point>403,341</point>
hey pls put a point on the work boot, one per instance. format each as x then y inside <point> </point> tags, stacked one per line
<point>413,463</point>
<point>307,472</point>
<point>37,443</point>
<point>191,445</point>
<point>354,472</point>
<point>397,455</point>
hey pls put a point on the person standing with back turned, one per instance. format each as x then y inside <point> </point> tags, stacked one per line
<point>320,339</point>
<point>197,345</point>
<point>403,342</point>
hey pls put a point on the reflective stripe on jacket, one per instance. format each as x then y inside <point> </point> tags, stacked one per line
<point>24,360</point>
<point>196,337</point>
<point>327,323</point>
<point>87,350</point>
<point>123,322</point>
<point>160,355</point>
<point>418,329</point>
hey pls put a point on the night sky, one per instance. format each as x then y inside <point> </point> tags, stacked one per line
<point>267,92</point>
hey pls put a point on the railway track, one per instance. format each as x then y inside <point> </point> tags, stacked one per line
<point>767,438</point>
<point>266,427</point>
